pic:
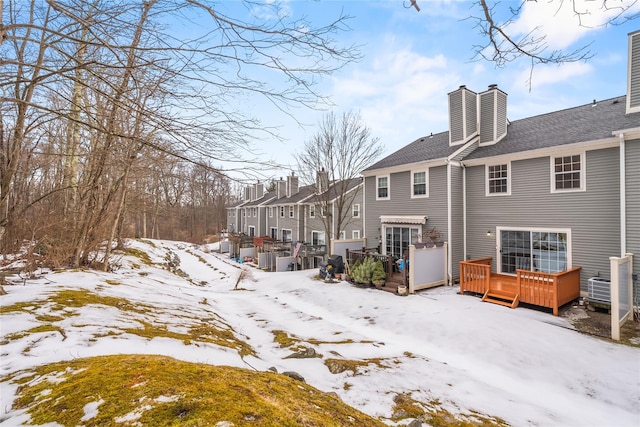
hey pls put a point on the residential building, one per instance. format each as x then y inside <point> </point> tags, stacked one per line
<point>542,193</point>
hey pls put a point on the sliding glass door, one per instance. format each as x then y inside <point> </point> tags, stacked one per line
<point>398,239</point>
<point>536,250</point>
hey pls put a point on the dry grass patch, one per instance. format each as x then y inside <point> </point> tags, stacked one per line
<point>432,413</point>
<point>161,391</point>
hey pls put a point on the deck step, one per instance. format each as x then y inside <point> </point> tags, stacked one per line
<point>496,296</point>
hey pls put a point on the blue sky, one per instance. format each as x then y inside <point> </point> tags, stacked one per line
<point>413,59</point>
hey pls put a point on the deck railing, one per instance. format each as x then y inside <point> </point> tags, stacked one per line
<point>550,290</point>
<point>475,275</point>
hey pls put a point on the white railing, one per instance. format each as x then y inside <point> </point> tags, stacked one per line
<point>621,293</point>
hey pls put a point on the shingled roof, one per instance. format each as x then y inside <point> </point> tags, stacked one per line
<point>422,149</point>
<point>587,122</point>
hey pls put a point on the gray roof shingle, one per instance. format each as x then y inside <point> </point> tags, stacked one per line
<point>587,122</point>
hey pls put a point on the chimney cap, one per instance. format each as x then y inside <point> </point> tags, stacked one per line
<point>493,86</point>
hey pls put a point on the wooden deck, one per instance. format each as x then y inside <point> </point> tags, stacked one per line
<point>551,290</point>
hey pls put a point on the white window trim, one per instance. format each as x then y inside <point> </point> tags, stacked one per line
<point>255,212</point>
<point>270,212</point>
<point>583,173</point>
<point>319,233</point>
<point>286,229</point>
<point>291,212</point>
<point>281,211</point>
<point>383,236</point>
<point>312,211</point>
<point>426,182</point>
<point>355,234</point>
<point>388,187</point>
<point>252,229</point>
<point>355,213</point>
<point>567,231</point>
<point>486,180</point>
<point>272,234</point>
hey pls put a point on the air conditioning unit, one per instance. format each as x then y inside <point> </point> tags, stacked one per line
<point>599,290</point>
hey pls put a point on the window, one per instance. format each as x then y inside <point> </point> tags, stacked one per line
<point>498,179</point>
<point>291,211</point>
<point>274,233</point>
<point>323,211</point>
<point>318,238</point>
<point>382,187</point>
<point>568,173</point>
<point>281,211</point>
<point>244,213</point>
<point>398,239</point>
<point>355,211</point>
<point>536,250</point>
<point>255,212</point>
<point>286,235</point>
<point>271,214</point>
<point>312,211</point>
<point>419,184</point>
<point>343,235</point>
<point>355,234</point>
<point>252,231</point>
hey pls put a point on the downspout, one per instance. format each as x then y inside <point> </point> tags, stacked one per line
<point>464,209</point>
<point>449,228</point>
<point>623,198</point>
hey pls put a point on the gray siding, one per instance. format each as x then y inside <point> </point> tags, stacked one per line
<point>592,215</point>
<point>401,203</point>
<point>632,166</point>
<point>456,126</point>
<point>487,117</point>
<point>634,71</point>
<point>456,240</point>
<point>294,224</point>
<point>501,119</point>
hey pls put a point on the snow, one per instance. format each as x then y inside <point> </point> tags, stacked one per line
<point>525,366</point>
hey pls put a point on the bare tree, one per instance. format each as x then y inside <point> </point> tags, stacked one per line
<point>93,89</point>
<point>502,45</point>
<point>340,150</point>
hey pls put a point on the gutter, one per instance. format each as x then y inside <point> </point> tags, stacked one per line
<point>623,197</point>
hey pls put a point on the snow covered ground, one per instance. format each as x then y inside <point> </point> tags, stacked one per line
<point>527,367</point>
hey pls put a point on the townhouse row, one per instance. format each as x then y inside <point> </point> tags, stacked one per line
<point>544,193</point>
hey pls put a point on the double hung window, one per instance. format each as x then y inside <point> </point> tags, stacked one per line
<point>382,187</point>
<point>419,184</point>
<point>568,173</point>
<point>498,179</point>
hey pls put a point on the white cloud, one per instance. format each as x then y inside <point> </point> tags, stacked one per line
<point>544,75</point>
<point>400,94</point>
<point>565,22</point>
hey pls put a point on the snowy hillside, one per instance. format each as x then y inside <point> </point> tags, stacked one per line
<point>175,299</point>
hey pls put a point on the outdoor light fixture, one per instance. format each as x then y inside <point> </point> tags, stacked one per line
<point>488,233</point>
